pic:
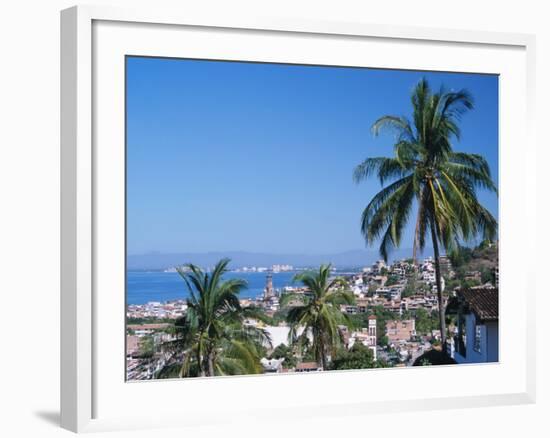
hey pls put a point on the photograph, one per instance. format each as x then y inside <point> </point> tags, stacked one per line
<point>293,218</point>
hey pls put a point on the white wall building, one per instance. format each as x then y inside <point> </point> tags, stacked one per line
<point>477,335</point>
<point>367,336</point>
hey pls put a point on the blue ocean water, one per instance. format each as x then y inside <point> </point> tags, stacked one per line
<point>145,286</point>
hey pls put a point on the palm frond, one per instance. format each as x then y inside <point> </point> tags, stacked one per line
<point>398,125</point>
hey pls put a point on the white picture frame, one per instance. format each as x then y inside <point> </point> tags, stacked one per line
<point>93,37</point>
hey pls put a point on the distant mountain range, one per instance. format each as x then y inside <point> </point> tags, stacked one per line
<point>358,257</point>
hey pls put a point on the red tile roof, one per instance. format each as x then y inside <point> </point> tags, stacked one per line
<point>483,302</point>
<point>307,366</point>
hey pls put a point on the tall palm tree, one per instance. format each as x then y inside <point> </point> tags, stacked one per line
<point>426,171</point>
<point>317,314</point>
<point>213,335</point>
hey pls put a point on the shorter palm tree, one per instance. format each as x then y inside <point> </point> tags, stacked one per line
<point>317,314</point>
<point>213,335</point>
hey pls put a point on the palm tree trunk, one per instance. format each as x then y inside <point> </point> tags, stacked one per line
<point>319,349</point>
<point>416,231</point>
<point>200,363</point>
<point>439,291</point>
<point>211,364</point>
<point>200,358</point>
<point>202,373</point>
<point>324,356</point>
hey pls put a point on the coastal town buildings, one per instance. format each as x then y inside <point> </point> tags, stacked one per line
<point>157,310</point>
<point>378,267</point>
<point>446,266</point>
<point>400,330</point>
<point>146,329</point>
<point>399,291</point>
<point>282,268</point>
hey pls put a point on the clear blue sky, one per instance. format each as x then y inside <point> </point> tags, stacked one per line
<point>225,156</point>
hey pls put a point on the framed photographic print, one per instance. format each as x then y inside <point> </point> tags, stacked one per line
<point>320,215</point>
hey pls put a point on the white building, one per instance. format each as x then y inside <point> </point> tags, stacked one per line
<point>476,339</point>
<point>390,292</point>
<point>272,365</point>
<point>378,266</point>
<point>357,290</point>
<point>367,336</point>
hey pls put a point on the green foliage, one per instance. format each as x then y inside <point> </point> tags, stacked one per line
<point>171,371</point>
<point>460,255</point>
<point>320,315</point>
<point>425,322</point>
<point>150,320</point>
<point>261,350</point>
<point>485,244</point>
<point>284,351</point>
<point>146,347</point>
<point>483,258</point>
<point>409,289</point>
<point>309,356</point>
<point>212,335</point>
<point>382,363</point>
<point>382,317</point>
<point>392,279</point>
<point>358,357</point>
<point>358,321</point>
<point>487,276</point>
<point>453,283</point>
<point>371,290</point>
<point>279,317</point>
<point>470,283</point>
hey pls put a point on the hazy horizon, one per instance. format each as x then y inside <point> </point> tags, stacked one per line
<point>357,257</point>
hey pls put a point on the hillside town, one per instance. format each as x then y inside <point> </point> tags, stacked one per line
<point>394,315</point>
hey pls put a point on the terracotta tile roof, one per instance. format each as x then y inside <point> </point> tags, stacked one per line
<point>307,366</point>
<point>483,302</point>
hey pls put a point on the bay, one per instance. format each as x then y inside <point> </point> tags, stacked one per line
<point>145,286</point>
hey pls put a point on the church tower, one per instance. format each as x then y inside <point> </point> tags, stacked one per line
<point>372,330</point>
<point>372,335</point>
<point>268,291</point>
